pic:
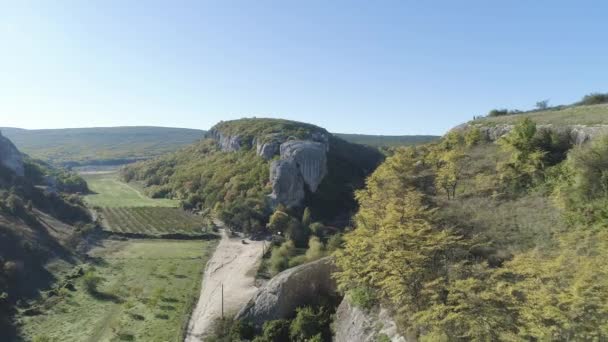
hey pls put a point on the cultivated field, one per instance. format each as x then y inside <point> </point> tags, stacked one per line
<point>109,191</point>
<point>153,221</point>
<point>147,292</point>
<point>578,115</point>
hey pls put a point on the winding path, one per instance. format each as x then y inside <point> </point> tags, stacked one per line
<point>233,265</point>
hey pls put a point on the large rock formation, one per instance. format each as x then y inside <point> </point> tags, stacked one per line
<point>303,162</point>
<point>10,157</point>
<point>287,183</point>
<point>290,289</point>
<point>352,324</point>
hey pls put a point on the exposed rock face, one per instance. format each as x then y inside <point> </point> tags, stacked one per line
<point>579,133</point>
<point>302,162</point>
<point>287,183</point>
<point>229,143</point>
<point>290,289</point>
<point>310,158</point>
<point>270,146</point>
<point>10,157</point>
<point>352,324</point>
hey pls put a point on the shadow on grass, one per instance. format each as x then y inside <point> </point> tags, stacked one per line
<point>170,300</point>
<point>106,297</point>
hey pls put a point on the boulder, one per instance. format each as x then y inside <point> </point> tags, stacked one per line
<point>296,287</point>
<point>287,183</point>
<point>353,324</point>
<point>10,157</point>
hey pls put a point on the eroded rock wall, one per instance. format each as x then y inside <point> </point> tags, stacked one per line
<point>353,324</point>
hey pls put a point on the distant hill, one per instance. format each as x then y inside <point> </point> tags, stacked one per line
<point>100,145</point>
<point>387,140</point>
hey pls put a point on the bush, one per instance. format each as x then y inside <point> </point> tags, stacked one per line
<point>308,323</point>
<point>502,112</point>
<point>315,250</point>
<point>594,98</point>
<point>335,242</point>
<point>297,261</point>
<point>91,281</point>
<point>274,331</point>
<point>362,297</point>
<point>279,259</point>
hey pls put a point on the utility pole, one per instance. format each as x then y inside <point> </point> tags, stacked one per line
<point>222,300</point>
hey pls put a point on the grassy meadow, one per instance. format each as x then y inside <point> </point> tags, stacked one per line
<point>146,293</point>
<point>109,191</point>
<point>575,115</point>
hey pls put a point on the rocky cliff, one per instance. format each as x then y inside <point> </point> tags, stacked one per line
<point>290,289</point>
<point>10,157</point>
<point>579,133</point>
<point>352,324</point>
<point>301,161</point>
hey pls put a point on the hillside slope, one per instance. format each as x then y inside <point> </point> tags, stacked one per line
<point>248,167</point>
<point>100,145</point>
<point>37,224</point>
<point>477,239</point>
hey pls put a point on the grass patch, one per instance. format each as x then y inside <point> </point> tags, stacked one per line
<point>153,221</point>
<point>576,115</point>
<point>108,191</point>
<point>152,284</point>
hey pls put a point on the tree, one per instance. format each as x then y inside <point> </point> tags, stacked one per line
<point>306,217</point>
<point>527,160</point>
<point>315,250</point>
<point>472,136</point>
<point>279,222</point>
<point>451,169</point>
<point>396,248</point>
<point>542,105</point>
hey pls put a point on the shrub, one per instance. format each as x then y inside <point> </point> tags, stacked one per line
<point>472,136</point>
<point>335,242</point>
<point>363,297</point>
<point>274,331</point>
<point>315,250</point>
<point>279,259</point>
<point>308,323</point>
<point>91,281</point>
<point>297,261</point>
<point>594,98</point>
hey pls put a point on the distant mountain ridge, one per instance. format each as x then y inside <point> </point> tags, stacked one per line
<point>124,144</point>
<point>100,145</point>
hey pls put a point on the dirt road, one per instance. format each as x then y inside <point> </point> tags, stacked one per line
<point>232,265</point>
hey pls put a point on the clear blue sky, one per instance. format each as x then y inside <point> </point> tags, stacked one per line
<point>378,67</point>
